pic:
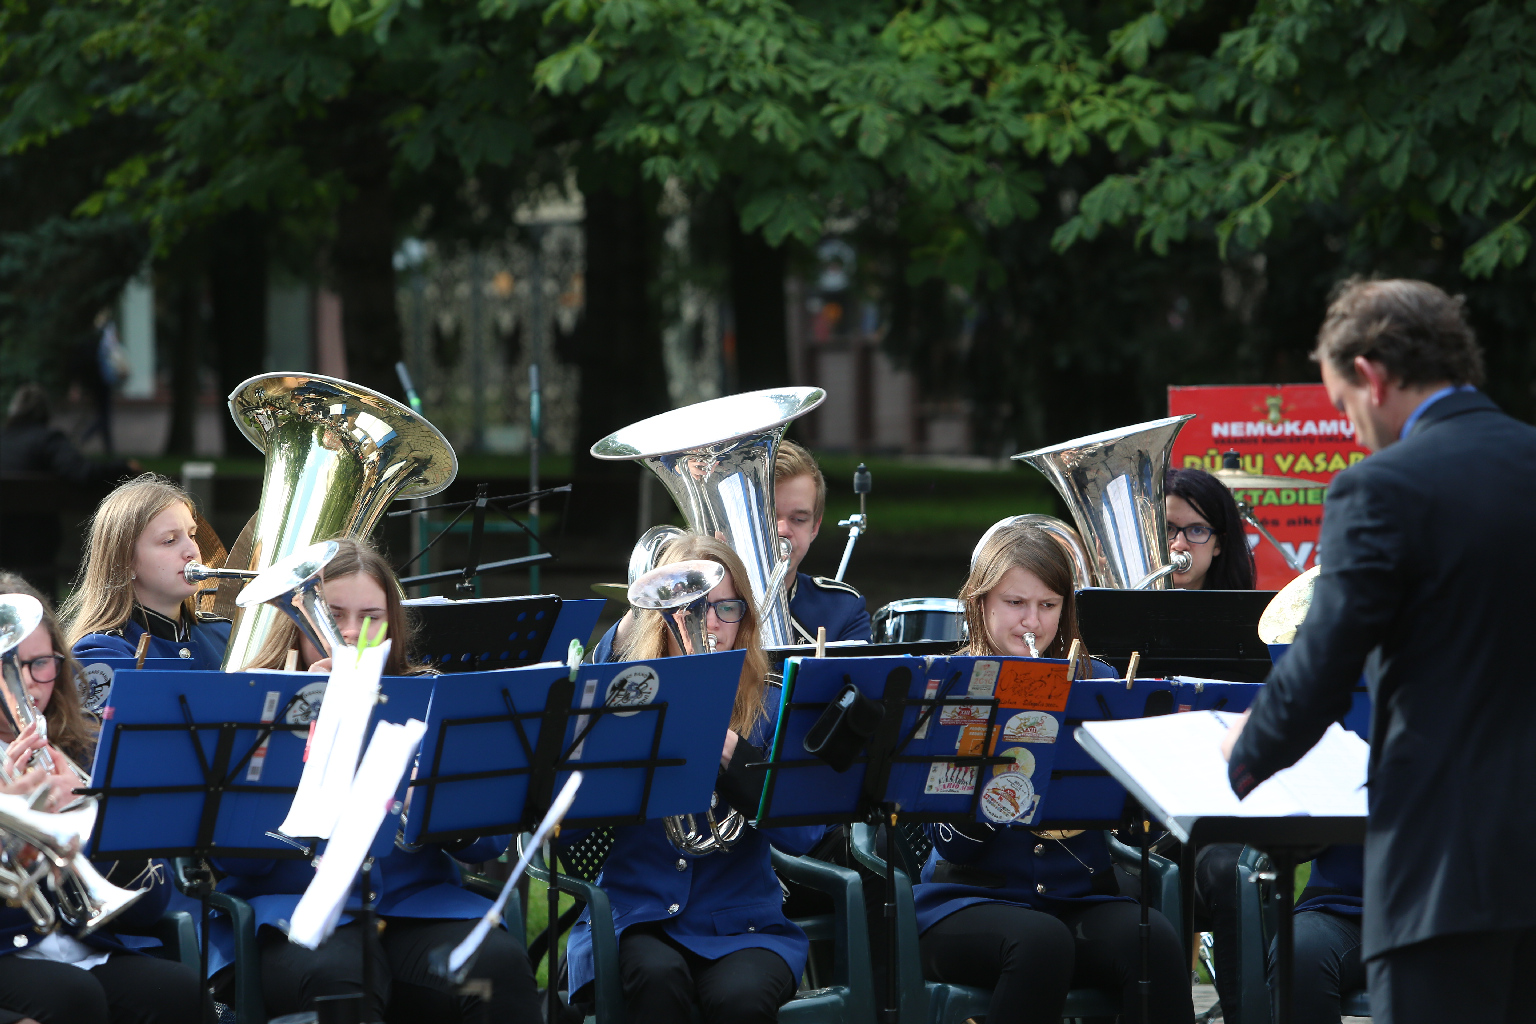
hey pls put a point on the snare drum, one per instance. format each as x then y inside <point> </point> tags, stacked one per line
<point>919,618</point>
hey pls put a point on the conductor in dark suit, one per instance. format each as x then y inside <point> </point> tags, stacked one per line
<point>1426,582</point>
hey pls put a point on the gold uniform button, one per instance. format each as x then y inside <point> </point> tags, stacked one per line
<point>1040,887</point>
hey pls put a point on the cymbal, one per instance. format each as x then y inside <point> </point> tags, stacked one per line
<point>612,591</point>
<point>1237,480</point>
<point>1285,611</point>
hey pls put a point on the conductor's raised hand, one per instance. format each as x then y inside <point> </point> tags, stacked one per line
<point>1230,739</point>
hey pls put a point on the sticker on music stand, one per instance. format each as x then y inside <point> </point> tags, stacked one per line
<point>1023,762</point>
<point>1008,798</point>
<point>636,685</point>
<point>964,714</point>
<point>1031,727</point>
<point>95,686</point>
<point>945,778</point>
<point>983,678</point>
<point>305,706</point>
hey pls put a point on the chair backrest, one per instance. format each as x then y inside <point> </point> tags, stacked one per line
<point>585,859</point>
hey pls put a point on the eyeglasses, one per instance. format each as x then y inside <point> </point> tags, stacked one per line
<point>730,609</point>
<point>1195,533</point>
<point>44,669</point>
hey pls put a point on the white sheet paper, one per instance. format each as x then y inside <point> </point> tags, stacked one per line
<point>363,810</point>
<point>1176,760</point>
<point>466,949</point>
<point>345,711</point>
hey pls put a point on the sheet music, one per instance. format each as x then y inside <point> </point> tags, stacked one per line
<point>331,759</point>
<point>364,808</point>
<point>1177,762</point>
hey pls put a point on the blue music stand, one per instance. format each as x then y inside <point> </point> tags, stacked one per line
<point>97,682</point>
<point>646,737</point>
<point>577,620</point>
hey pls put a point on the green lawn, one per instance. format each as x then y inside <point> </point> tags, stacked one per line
<point>536,917</point>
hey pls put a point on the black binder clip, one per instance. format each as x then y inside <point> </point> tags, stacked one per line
<point>843,728</point>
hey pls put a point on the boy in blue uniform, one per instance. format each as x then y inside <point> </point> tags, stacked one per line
<point>800,499</point>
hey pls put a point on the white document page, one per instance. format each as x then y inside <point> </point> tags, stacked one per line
<point>1177,762</point>
<point>363,810</point>
<point>345,711</point>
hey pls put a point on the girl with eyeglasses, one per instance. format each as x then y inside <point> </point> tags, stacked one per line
<point>1203,520</point>
<point>141,538</point>
<point>98,979</point>
<point>703,933</point>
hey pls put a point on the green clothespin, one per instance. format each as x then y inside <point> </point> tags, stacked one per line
<point>573,656</point>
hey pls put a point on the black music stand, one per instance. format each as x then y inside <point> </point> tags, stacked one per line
<point>484,633</point>
<point>1289,841</point>
<point>500,744</point>
<point>1208,633</point>
<point>476,509</point>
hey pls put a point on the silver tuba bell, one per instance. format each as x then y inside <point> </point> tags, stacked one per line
<point>679,591</point>
<point>292,585</point>
<point>716,460</point>
<point>337,455</point>
<point>1113,483</point>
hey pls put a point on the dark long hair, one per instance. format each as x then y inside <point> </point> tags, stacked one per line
<point>1233,568</point>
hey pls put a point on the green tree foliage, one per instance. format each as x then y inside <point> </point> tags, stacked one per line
<point>1403,111</point>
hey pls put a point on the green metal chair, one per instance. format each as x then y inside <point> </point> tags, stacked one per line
<point>931,1002</point>
<point>849,999</point>
<point>1258,923</point>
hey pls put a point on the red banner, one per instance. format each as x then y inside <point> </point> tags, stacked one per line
<point>1284,430</point>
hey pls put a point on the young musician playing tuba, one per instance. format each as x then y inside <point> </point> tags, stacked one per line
<point>131,583</point>
<point>708,930</point>
<point>1032,915</point>
<point>60,977</point>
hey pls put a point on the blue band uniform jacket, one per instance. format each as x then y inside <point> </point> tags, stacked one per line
<point>819,601</point>
<point>199,644</point>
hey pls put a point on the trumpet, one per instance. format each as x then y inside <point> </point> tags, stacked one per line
<point>680,592</point>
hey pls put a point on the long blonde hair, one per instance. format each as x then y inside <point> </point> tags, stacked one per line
<point>103,596</point>
<point>352,557</point>
<point>69,727</point>
<point>1019,546</point>
<point>648,635</point>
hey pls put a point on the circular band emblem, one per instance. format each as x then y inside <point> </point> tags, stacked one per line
<point>305,707</point>
<point>1007,798</point>
<point>95,686</point>
<point>636,685</point>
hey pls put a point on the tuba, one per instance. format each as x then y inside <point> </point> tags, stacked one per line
<point>680,592</point>
<point>337,455</point>
<point>1113,484</point>
<point>292,586</point>
<point>716,460</point>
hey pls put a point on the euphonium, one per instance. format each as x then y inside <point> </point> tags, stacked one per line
<point>337,455</point>
<point>20,614</point>
<point>716,460</point>
<point>679,591</point>
<point>1113,483</point>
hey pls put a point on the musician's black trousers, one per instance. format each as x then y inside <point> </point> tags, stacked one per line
<point>1216,900</point>
<point>127,989</point>
<point>402,988</point>
<point>1030,959</point>
<point>1481,976</point>
<point>1327,966</point>
<point>663,981</point>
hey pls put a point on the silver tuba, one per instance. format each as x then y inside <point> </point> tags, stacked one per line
<point>716,460</point>
<point>679,591</point>
<point>292,585</point>
<point>1113,483</point>
<point>337,455</point>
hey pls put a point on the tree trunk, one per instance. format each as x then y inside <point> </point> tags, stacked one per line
<point>757,299</point>
<point>237,286</point>
<point>362,262</point>
<point>617,346</point>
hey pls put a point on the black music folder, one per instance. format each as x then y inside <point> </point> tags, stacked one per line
<point>1212,634</point>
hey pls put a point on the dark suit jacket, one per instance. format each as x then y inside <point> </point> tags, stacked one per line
<point>1428,564</point>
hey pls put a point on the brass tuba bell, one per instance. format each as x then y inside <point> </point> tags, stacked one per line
<point>1113,484</point>
<point>337,455</point>
<point>716,460</point>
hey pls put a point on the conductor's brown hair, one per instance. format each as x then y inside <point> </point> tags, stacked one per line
<point>1415,330</point>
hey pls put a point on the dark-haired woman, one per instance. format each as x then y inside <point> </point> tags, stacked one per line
<point>1203,520</point>
<point>62,978</point>
<point>1031,915</point>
